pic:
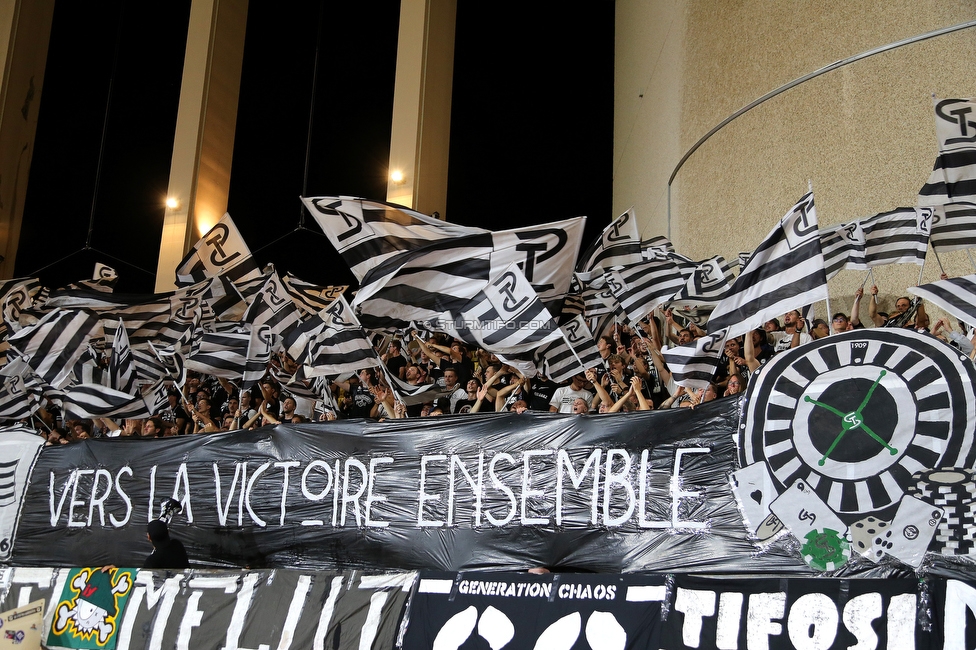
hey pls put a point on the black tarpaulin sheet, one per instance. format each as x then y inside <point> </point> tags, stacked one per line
<point>612,493</point>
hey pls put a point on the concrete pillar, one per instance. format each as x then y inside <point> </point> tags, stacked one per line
<point>203,146</point>
<point>421,133</point>
<point>25,31</point>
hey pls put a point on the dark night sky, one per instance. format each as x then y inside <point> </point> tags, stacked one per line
<point>531,127</point>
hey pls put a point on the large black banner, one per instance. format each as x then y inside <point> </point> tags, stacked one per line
<point>630,492</point>
<point>519,610</point>
<point>212,609</point>
<point>799,613</point>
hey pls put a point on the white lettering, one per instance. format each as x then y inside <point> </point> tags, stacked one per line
<point>812,623</point>
<point>503,488</point>
<point>527,481</point>
<point>285,465</point>
<point>763,610</point>
<point>564,461</point>
<point>119,523</point>
<point>422,496</point>
<point>370,499</point>
<point>476,487</point>
<point>621,478</point>
<point>694,604</point>
<point>859,614</point>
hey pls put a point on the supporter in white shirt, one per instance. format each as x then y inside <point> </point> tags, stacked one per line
<point>792,335</point>
<point>562,399</point>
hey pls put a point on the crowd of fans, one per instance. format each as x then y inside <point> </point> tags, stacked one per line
<point>443,376</point>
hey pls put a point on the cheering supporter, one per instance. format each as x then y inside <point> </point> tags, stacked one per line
<point>943,330</point>
<point>563,398</point>
<point>819,329</point>
<point>395,362</point>
<point>901,317</point>
<point>840,322</point>
<point>792,334</point>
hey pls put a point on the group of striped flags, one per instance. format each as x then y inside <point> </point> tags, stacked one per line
<point>526,294</point>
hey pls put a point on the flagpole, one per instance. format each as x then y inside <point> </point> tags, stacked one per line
<point>970,255</point>
<point>921,268</point>
<point>941,268</point>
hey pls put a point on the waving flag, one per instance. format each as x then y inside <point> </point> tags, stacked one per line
<point>221,251</point>
<point>506,317</point>
<point>693,365</point>
<point>271,315</point>
<point>221,354</point>
<point>53,346</point>
<point>957,296</point>
<point>953,177</point>
<point>706,285</point>
<point>121,370</point>
<point>367,233</point>
<point>618,245</point>
<point>641,288</point>
<point>897,237</point>
<point>331,343</point>
<point>953,227</point>
<point>570,354</point>
<point>656,248</point>
<point>311,298</point>
<point>786,272</point>
<point>843,248</point>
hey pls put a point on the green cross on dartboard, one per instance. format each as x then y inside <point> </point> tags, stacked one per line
<point>852,420</point>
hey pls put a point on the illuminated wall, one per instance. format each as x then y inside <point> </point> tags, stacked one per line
<point>863,134</point>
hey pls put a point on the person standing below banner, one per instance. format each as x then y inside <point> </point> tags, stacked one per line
<point>168,552</point>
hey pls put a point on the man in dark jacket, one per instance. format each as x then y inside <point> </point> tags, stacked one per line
<point>168,553</point>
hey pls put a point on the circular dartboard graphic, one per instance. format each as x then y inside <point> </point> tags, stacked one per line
<point>855,415</point>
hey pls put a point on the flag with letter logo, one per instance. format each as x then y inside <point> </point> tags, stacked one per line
<point>785,272</point>
<point>953,177</point>
<point>221,251</point>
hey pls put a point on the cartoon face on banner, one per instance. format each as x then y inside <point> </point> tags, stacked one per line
<point>89,608</point>
<point>839,436</point>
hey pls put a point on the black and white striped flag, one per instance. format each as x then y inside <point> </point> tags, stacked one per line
<point>953,227</point>
<point>221,297</point>
<point>53,346</point>
<point>331,343</point>
<point>843,248</point>
<point>17,295</point>
<point>16,401</point>
<point>506,317</point>
<point>367,233</point>
<point>272,315</point>
<point>222,251</point>
<point>640,288</point>
<point>743,259</point>
<point>658,247</point>
<point>221,354</point>
<point>95,400</point>
<point>569,355</point>
<point>785,272</point>
<point>103,280</point>
<point>618,245</point>
<point>161,318</point>
<point>706,285</point>
<point>121,368</point>
<point>897,237</point>
<point>311,298</point>
<point>597,295</point>
<point>693,365</point>
<point>953,177</point>
<point>957,296</point>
